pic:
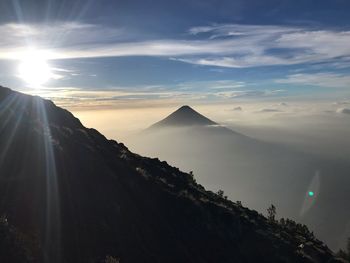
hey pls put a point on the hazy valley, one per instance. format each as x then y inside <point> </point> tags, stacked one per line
<point>255,172</point>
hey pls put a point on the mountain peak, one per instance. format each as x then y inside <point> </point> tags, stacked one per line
<point>184,116</point>
<point>185,107</point>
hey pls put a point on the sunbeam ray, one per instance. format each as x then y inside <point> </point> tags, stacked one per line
<point>53,229</point>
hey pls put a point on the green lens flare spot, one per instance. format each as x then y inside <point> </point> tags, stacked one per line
<point>310,193</point>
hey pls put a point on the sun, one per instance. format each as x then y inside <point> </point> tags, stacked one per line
<point>34,68</point>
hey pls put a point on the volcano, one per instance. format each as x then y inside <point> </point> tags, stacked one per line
<point>184,116</point>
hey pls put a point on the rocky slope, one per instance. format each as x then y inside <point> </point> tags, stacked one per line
<point>67,194</point>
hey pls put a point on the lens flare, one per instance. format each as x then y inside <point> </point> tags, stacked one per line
<point>315,185</point>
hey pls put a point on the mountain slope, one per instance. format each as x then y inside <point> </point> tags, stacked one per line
<point>71,195</point>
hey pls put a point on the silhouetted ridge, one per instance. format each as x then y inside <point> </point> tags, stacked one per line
<point>184,116</point>
<point>67,194</point>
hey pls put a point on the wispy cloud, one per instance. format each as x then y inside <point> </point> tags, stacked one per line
<point>195,91</point>
<point>269,110</point>
<point>236,46</point>
<point>225,30</point>
<point>247,93</point>
<point>211,85</point>
<point>331,80</point>
<point>343,102</point>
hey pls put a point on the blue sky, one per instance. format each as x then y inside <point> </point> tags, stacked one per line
<point>190,50</point>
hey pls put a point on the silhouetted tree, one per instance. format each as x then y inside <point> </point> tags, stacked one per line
<point>345,254</point>
<point>192,176</point>
<point>282,222</point>
<point>220,193</point>
<point>239,203</point>
<point>271,213</point>
<point>3,220</point>
<point>342,254</point>
<point>110,259</point>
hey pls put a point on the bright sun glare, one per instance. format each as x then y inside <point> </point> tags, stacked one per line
<point>34,68</point>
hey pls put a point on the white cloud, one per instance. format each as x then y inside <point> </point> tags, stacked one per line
<point>211,85</point>
<point>297,45</point>
<point>344,102</point>
<point>239,62</point>
<point>321,44</point>
<point>57,34</point>
<point>246,93</point>
<point>225,30</point>
<point>218,45</point>
<point>327,79</point>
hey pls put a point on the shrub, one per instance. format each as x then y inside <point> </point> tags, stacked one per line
<point>220,193</point>
<point>271,213</point>
<point>110,259</point>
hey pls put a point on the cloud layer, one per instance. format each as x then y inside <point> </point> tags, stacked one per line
<point>344,110</point>
<point>326,79</point>
<point>236,46</point>
<point>190,92</point>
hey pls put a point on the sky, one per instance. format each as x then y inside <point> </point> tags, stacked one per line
<point>107,54</point>
<point>275,70</point>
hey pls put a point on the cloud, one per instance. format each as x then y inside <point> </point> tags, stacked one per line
<point>233,45</point>
<point>223,30</point>
<point>58,34</point>
<point>277,45</point>
<point>344,110</point>
<point>342,102</point>
<point>195,91</point>
<point>246,93</point>
<point>210,85</point>
<point>60,73</point>
<point>241,93</point>
<point>269,110</point>
<point>249,60</point>
<point>326,79</point>
<point>72,97</point>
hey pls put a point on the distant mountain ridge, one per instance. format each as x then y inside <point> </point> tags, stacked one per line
<point>68,194</point>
